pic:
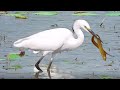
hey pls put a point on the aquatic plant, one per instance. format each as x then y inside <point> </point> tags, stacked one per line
<point>105,77</point>
<point>15,56</point>
<point>113,14</point>
<point>46,13</point>
<point>16,66</point>
<point>85,14</point>
<point>17,15</point>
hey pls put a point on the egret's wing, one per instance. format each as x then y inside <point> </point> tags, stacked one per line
<point>46,40</point>
<point>52,32</point>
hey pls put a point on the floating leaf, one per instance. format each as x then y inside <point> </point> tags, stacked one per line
<point>13,56</point>
<point>21,17</point>
<point>66,61</point>
<point>18,15</point>
<point>105,77</point>
<point>113,14</point>
<point>44,13</point>
<point>16,66</point>
<point>85,14</point>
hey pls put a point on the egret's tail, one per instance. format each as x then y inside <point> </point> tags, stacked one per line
<point>19,43</point>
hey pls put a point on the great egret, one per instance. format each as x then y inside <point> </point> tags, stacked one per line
<point>54,41</point>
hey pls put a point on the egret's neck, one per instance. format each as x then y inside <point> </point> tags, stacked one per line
<point>78,32</point>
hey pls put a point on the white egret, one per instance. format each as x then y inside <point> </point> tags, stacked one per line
<point>54,41</point>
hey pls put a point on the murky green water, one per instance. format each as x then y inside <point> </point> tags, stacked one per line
<point>89,63</point>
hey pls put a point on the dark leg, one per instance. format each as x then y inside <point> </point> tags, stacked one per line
<point>37,64</point>
<point>48,69</point>
<point>36,75</point>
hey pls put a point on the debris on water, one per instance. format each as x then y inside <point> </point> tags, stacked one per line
<point>16,67</point>
<point>12,67</point>
<point>115,32</point>
<point>105,77</point>
<point>75,59</point>
<point>101,25</point>
<point>76,12</point>
<point>5,68</point>
<point>74,62</point>
<point>110,64</point>
<point>116,48</point>
<point>86,14</point>
<point>54,25</point>
<point>3,12</point>
<point>3,37</point>
<point>114,27</point>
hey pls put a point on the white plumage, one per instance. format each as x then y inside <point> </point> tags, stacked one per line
<point>46,40</point>
<point>54,41</point>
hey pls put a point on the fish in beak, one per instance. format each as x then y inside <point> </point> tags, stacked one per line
<point>95,35</point>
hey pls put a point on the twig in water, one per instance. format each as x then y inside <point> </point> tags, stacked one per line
<point>102,22</point>
<point>75,59</point>
<point>114,27</point>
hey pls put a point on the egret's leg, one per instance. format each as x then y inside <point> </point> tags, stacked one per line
<point>37,75</point>
<point>48,69</point>
<point>37,64</point>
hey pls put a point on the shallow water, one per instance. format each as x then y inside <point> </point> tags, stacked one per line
<point>89,63</point>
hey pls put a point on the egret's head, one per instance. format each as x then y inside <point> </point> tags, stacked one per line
<point>84,24</point>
